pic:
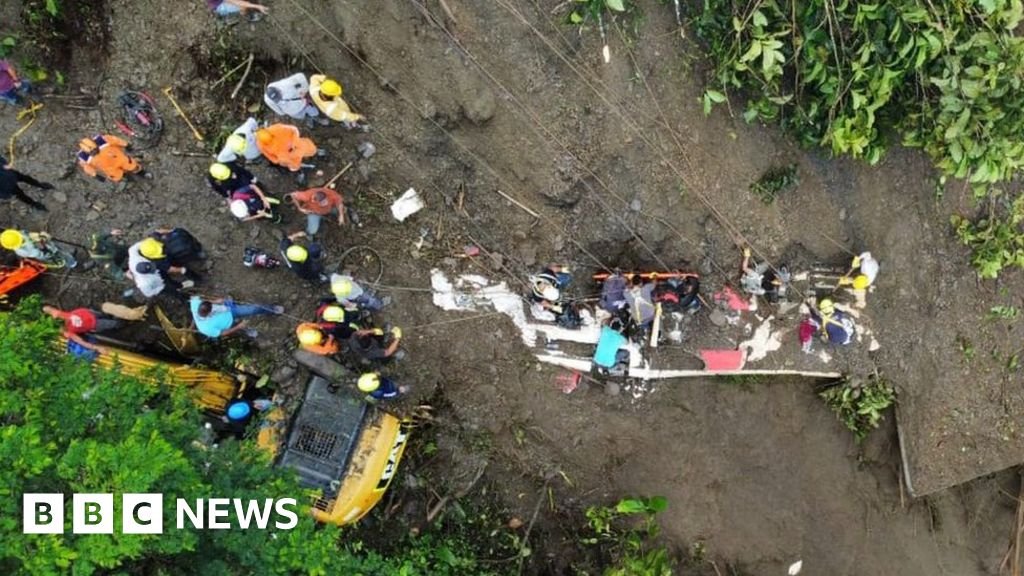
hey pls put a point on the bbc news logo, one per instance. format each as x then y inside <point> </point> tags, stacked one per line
<point>144,514</point>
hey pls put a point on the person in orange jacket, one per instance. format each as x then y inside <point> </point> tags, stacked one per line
<point>104,157</point>
<point>283,146</point>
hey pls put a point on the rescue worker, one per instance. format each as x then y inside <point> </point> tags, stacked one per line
<point>250,203</point>
<point>316,203</point>
<point>290,97</point>
<point>640,301</point>
<point>104,157</point>
<point>313,338</point>
<point>9,179</point>
<point>376,345</point>
<point>36,246</point>
<point>326,95</point>
<point>613,293</point>
<point>12,87</point>
<point>173,251</point>
<point>335,320</point>
<point>353,296</point>
<point>219,317</point>
<point>379,388</point>
<point>762,279</point>
<point>241,144</point>
<point>610,352</point>
<point>150,277</point>
<point>225,178</point>
<point>283,146</point>
<point>546,295</point>
<point>82,321</point>
<point>831,325</point>
<point>305,261</point>
<point>862,274</point>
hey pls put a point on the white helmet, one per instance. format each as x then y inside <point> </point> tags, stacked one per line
<point>239,209</point>
<point>550,293</point>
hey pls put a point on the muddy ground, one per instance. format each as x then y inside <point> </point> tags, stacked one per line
<point>760,474</point>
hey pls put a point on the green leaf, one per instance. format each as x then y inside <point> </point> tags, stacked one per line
<point>753,52</point>
<point>657,504</point>
<point>616,5</point>
<point>760,19</point>
<point>715,96</point>
<point>53,7</point>
<point>575,18</point>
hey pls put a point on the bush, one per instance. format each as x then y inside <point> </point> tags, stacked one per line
<point>860,404</point>
<point>944,77</point>
<point>68,427</point>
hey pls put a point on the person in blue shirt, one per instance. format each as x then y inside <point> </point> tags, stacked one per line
<point>611,341</point>
<point>379,388</point>
<point>219,317</point>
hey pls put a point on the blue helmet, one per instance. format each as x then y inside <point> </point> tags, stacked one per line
<point>239,411</point>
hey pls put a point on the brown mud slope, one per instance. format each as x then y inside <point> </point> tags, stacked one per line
<point>763,474</point>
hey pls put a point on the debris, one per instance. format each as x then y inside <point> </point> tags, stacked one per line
<point>407,205</point>
<point>59,197</point>
<point>515,524</point>
<point>796,567</point>
<point>471,250</point>
<point>241,81</point>
<point>636,205</point>
<point>481,108</point>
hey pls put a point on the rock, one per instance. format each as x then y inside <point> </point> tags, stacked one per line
<point>282,374</point>
<point>59,197</point>
<point>497,261</point>
<point>92,215</point>
<point>515,523</point>
<point>558,243</point>
<point>528,254</point>
<point>842,214</point>
<point>636,205</point>
<point>449,262</point>
<point>254,232</point>
<point>612,388</point>
<point>481,108</point>
<point>170,208</point>
<point>222,248</point>
<point>363,168</point>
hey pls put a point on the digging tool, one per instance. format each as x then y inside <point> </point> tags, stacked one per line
<point>195,132</point>
<point>363,152</point>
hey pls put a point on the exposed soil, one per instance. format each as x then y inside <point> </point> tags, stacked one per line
<point>761,474</point>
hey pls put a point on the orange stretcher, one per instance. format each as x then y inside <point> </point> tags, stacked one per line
<point>602,276</point>
<point>14,277</point>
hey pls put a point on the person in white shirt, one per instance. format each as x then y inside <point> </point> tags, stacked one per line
<point>290,97</point>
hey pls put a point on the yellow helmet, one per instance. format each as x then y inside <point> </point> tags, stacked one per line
<point>341,287</point>
<point>330,88</point>
<point>334,313</point>
<point>11,239</point>
<point>861,282</point>
<point>310,336</point>
<point>369,382</point>
<point>237,143</point>
<point>826,307</point>
<point>151,248</point>
<point>220,171</point>
<point>296,253</point>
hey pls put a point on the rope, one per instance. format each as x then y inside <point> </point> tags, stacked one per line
<point>466,149</point>
<point>737,236</point>
<point>548,135</point>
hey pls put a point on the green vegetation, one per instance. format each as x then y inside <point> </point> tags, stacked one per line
<point>855,76</point>
<point>860,404</point>
<point>68,428</point>
<point>774,181</point>
<point>996,242</point>
<point>595,10</point>
<point>843,75</point>
<point>625,533</point>
<point>1004,312</point>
